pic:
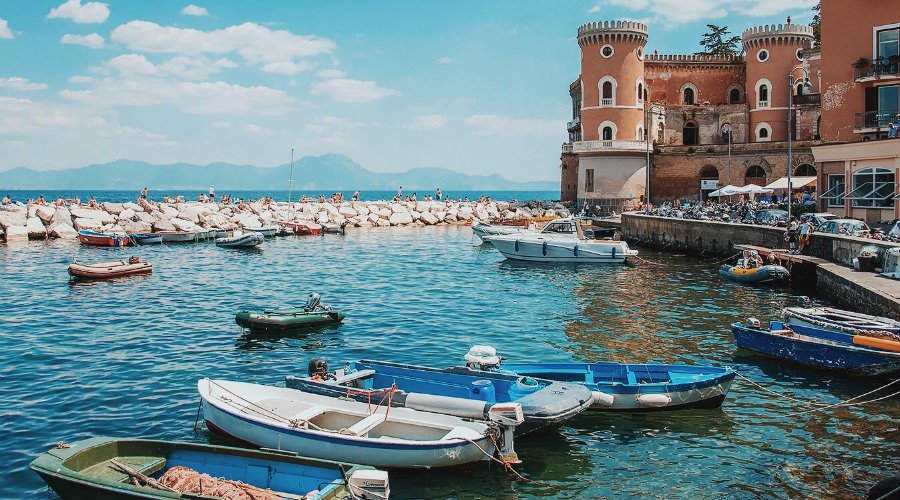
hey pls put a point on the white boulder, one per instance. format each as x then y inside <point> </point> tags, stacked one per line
<point>63,231</point>
<point>430,218</point>
<point>347,211</point>
<point>90,213</point>
<point>126,215</point>
<point>400,218</point>
<point>87,223</point>
<point>36,229</point>
<point>16,233</point>
<point>46,213</point>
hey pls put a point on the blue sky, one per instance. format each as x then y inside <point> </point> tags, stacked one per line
<point>474,86</point>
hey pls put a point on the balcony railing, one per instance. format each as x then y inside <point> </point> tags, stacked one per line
<point>573,124</point>
<point>808,99</point>
<point>876,119</point>
<point>762,104</point>
<point>881,68</point>
<point>606,102</point>
<point>597,146</point>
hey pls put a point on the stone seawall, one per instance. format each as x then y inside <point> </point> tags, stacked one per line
<point>861,291</point>
<point>39,222</point>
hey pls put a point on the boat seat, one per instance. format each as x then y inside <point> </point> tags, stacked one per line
<point>308,413</point>
<point>365,425</point>
<point>354,376</point>
<point>631,378</point>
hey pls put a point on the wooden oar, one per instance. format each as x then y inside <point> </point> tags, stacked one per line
<point>133,473</point>
<point>885,344</point>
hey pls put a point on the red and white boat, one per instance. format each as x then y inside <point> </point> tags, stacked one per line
<point>103,239</point>
<point>114,269</point>
<point>303,228</point>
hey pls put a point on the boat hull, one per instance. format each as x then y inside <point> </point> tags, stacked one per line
<point>265,230</point>
<point>484,231</point>
<point>243,241</point>
<point>106,270</point>
<point>285,320</point>
<point>768,273</point>
<point>227,409</point>
<point>817,352</point>
<point>457,391</point>
<point>177,236</point>
<point>546,250</point>
<point>146,239</point>
<point>82,470</point>
<point>838,320</point>
<point>633,387</point>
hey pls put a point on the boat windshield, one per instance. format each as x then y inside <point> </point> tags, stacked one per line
<point>566,227</point>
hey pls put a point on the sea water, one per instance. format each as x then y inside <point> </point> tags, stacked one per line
<point>123,357</point>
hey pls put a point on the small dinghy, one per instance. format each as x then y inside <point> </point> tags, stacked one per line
<point>103,239</point>
<point>121,468</point>
<point>452,391</point>
<point>245,240</point>
<point>751,270</point>
<point>289,318</point>
<point>864,355</point>
<point>334,429</point>
<point>105,270</point>
<point>624,387</point>
<point>146,238</point>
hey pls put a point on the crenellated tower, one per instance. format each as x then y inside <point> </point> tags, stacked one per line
<point>612,80</point>
<point>771,53</point>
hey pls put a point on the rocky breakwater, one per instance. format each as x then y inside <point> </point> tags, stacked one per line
<point>39,222</point>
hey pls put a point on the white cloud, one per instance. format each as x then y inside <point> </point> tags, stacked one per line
<point>444,60</point>
<point>330,73</point>
<point>80,79</point>
<point>502,125</point>
<point>427,122</point>
<point>91,12</point>
<point>181,67</point>
<point>346,90</point>
<point>131,64</point>
<point>193,10</point>
<point>276,51</point>
<point>19,83</point>
<point>254,129</point>
<point>771,7</point>
<point>204,98</point>
<point>93,40</point>
<point>5,32</point>
<point>595,9</point>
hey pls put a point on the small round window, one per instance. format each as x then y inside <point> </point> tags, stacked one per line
<point>762,55</point>
<point>799,54</point>
<point>640,53</point>
<point>607,51</point>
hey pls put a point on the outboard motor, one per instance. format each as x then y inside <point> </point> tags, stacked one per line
<point>314,302</point>
<point>318,366</point>
<point>482,357</point>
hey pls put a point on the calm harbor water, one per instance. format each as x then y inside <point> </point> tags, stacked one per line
<point>123,358</point>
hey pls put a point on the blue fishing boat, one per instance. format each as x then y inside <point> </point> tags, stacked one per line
<point>458,391</point>
<point>851,354</point>
<point>122,468</point>
<point>146,238</point>
<point>624,387</point>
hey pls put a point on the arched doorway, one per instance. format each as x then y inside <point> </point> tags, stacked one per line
<point>805,170</point>
<point>755,175</point>
<point>690,135</point>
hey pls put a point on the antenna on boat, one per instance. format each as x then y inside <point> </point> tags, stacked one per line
<point>291,180</point>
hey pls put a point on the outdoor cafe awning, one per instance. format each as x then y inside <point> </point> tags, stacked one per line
<point>796,182</point>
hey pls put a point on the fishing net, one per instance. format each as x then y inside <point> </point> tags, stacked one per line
<point>185,480</point>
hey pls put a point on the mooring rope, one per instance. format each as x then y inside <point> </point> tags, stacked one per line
<point>823,406</point>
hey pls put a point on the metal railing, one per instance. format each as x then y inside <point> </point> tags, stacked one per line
<point>808,99</point>
<point>876,119</point>
<point>877,69</point>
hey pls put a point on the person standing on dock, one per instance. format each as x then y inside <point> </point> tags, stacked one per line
<point>805,230</point>
<point>212,194</point>
<point>144,193</point>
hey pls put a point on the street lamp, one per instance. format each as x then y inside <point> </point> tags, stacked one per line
<point>647,112</point>
<point>791,81</point>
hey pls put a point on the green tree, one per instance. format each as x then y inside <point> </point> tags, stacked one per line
<point>817,24</point>
<point>718,43</point>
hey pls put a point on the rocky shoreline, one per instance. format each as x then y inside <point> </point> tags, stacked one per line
<point>21,222</point>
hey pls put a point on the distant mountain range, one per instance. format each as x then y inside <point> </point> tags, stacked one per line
<point>327,172</point>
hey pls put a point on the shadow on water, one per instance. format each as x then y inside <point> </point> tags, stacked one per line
<point>308,339</point>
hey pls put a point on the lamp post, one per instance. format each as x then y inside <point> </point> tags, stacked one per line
<point>647,112</point>
<point>791,81</point>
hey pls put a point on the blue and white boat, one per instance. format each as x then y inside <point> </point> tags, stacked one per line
<point>828,318</point>
<point>146,238</point>
<point>625,387</point>
<point>335,429</point>
<point>456,391</point>
<point>851,354</point>
<point>561,240</point>
<point>124,468</point>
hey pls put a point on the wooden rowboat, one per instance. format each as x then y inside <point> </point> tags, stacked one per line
<point>107,468</point>
<point>105,270</point>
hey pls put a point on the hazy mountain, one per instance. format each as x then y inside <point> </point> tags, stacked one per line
<point>327,172</point>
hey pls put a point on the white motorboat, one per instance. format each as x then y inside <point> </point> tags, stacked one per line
<point>264,230</point>
<point>244,240</point>
<point>177,236</point>
<point>329,428</point>
<point>561,240</point>
<point>484,231</point>
<point>828,318</point>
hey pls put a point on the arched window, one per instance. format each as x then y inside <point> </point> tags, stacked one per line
<point>639,133</point>
<point>607,91</point>
<point>734,97</point>
<point>689,134</point>
<point>661,133</point>
<point>689,96</point>
<point>640,92</point>
<point>873,187</point>
<point>709,172</point>
<point>763,132</point>
<point>763,99</point>
<point>799,89</point>
<point>755,175</point>
<point>607,134</point>
<point>805,170</point>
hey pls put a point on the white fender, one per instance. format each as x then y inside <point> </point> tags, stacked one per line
<point>653,400</point>
<point>602,398</point>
